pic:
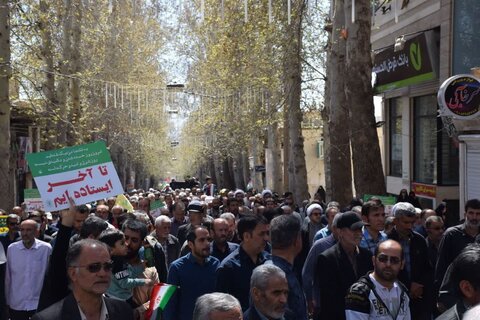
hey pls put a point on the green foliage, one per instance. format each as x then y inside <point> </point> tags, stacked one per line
<point>109,49</point>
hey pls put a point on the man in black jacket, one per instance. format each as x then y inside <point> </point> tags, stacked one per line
<point>89,270</point>
<point>417,272</point>
<point>341,265</point>
<point>465,280</point>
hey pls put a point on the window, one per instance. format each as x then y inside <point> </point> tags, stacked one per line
<point>449,158</point>
<point>425,135</point>
<point>466,38</point>
<point>436,154</point>
<point>320,149</point>
<point>395,137</point>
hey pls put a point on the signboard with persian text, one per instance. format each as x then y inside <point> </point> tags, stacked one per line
<point>84,173</point>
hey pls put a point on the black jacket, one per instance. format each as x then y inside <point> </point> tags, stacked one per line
<point>68,309</point>
<point>55,283</point>
<point>252,314</point>
<point>335,275</point>
<point>421,272</point>
<point>158,257</point>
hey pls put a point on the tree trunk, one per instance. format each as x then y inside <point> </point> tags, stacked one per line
<point>293,81</point>
<point>245,168</point>
<point>74,134</point>
<point>339,156</point>
<point>218,168</point>
<point>227,177</point>
<point>211,168</point>
<point>238,169</point>
<point>275,167</point>
<point>367,162</point>
<point>6,181</point>
<point>257,180</point>
<point>48,87</point>
<point>62,89</point>
<point>286,149</point>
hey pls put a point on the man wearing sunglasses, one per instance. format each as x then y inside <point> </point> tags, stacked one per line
<point>379,294</point>
<point>13,233</point>
<point>89,268</point>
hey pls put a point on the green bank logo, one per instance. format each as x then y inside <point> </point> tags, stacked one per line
<point>416,56</point>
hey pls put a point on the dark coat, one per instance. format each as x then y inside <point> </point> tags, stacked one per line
<point>173,248</point>
<point>55,283</point>
<point>68,309</point>
<point>335,275</point>
<point>421,272</point>
<point>252,314</point>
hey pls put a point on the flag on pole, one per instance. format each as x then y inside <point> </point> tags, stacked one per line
<point>161,294</point>
<point>123,202</point>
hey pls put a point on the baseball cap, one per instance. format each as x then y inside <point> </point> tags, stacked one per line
<point>350,220</point>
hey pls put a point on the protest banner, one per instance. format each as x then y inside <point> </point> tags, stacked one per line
<point>155,207</point>
<point>84,173</point>
<point>3,223</point>
<point>33,200</point>
<point>388,201</point>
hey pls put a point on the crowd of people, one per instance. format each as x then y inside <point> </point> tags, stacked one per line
<point>234,254</point>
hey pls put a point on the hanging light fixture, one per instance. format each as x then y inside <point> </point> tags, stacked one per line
<point>399,43</point>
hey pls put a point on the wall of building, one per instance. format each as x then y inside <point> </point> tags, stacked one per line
<point>416,17</point>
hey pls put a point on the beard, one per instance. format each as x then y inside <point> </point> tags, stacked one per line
<point>473,223</point>
<point>387,274</point>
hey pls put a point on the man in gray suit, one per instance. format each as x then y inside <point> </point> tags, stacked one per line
<point>89,269</point>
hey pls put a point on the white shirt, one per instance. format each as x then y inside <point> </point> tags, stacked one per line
<point>103,313</point>
<point>25,271</point>
<point>3,257</point>
<point>390,297</point>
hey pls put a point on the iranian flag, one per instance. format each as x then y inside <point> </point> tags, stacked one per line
<point>161,294</point>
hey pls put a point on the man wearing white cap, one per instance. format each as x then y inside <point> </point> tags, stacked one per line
<point>313,224</point>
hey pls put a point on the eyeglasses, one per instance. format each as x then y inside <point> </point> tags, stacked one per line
<point>13,223</point>
<point>95,267</point>
<point>383,258</point>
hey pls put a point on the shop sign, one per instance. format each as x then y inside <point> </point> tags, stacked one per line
<point>408,66</point>
<point>459,97</point>
<point>424,190</point>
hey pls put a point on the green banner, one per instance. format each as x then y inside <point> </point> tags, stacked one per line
<point>31,194</point>
<point>386,200</point>
<point>156,204</point>
<point>68,159</point>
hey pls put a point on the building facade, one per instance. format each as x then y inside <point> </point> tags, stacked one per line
<point>417,44</point>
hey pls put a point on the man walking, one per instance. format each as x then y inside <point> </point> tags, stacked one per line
<point>416,274</point>
<point>193,273</point>
<point>235,270</point>
<point>269,295</point>
<point>220,248</point>
<point>89,270</point>
<point>27,262</point>
<point>379,293</point>
<point>341,266</point>
<point>286,237</point>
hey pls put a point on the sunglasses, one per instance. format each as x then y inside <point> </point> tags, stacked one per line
<point>95,267</point>
<point>383,258</point>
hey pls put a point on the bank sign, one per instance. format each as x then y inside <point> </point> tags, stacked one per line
<point>409,66</point>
